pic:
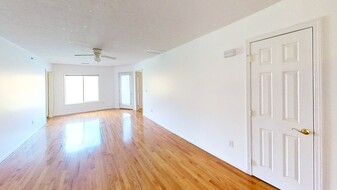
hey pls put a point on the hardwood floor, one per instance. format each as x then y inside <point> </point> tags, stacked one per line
<point>115,149</point>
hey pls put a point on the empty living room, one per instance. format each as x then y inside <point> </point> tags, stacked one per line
<point>168,94</point>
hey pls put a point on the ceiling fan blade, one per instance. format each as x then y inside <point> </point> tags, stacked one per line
<point>109,57</point>
<point>84,55</point>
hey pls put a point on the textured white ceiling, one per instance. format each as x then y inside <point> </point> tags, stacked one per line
<point>126,29</point>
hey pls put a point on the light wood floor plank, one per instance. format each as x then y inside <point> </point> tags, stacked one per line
<point>116,149</point>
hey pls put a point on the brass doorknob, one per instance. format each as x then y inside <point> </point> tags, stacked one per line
<point>303,131</point>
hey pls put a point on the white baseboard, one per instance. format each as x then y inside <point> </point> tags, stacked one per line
<point>20,144</point>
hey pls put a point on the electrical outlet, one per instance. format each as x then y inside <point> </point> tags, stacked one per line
<point>231,144</point>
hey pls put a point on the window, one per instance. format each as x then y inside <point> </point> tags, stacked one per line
<point>80,89</point>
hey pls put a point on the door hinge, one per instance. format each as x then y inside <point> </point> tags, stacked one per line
<point>249,58</point>
<point>250,113</point>
<point>253,163</point>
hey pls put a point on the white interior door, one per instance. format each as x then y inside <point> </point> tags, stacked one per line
<point>125,91</point>
<point>282,103</point>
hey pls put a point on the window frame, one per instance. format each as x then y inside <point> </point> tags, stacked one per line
<point>80,75</point>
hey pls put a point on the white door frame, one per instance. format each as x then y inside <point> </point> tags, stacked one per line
<point>317,41</point>
<point>46,75</point>
<point>139,90</point>
<point>131,88</point>
<point>51,94</point>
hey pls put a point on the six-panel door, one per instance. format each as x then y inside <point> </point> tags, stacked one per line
<point>282,105</point>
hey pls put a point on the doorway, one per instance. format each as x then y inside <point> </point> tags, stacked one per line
<point>139,91</point>
<point>125,91</point>
<point>283,103</point>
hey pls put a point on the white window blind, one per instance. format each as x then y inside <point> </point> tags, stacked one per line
<point>81,89</point>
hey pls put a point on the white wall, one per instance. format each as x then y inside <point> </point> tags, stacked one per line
<point>197,94</point>
<point>106,88</point>
<point>22,96</point>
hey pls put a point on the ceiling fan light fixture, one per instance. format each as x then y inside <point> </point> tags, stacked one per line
<point>97,54</point>
<point>97,59</point>
<point>97,51</point>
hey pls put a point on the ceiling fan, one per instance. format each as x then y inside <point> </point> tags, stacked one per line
<point>97,53</point>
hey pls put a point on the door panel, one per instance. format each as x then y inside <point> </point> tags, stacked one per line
<point>267,148</point>
<point>291,96</point>
<point>291,157</point>
<point>282,100</point>
<point>266,102</point>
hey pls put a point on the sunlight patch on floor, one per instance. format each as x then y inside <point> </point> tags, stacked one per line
<point>82,135</point>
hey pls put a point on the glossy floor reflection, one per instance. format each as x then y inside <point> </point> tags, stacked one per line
<point>115,149</point>
<point>82,135</point>
<point>127,128</point>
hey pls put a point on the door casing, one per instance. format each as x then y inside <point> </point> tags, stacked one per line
<point>46,73</point>
<point>139,89</point>
<point>315,25</point>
